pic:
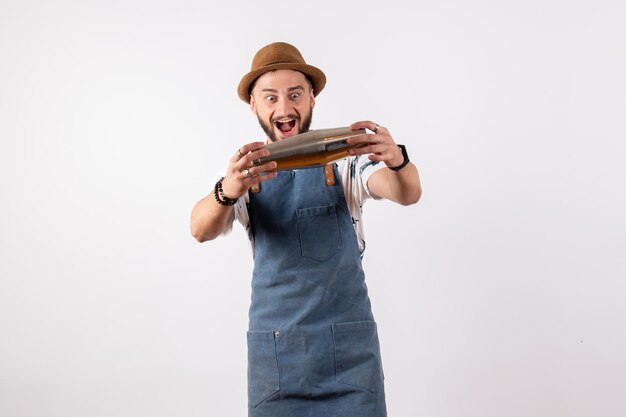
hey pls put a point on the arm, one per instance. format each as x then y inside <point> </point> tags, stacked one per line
<point>401,186</point>
<point>208,218</point>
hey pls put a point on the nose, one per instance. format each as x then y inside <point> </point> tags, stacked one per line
<point>284,107</point>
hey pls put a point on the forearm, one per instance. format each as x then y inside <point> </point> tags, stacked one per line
<point>209,219</point>
<point>404,186</point>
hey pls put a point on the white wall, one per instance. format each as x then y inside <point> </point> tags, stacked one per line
<point>502,293</point>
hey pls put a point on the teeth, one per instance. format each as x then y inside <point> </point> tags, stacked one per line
<point>284,120</point>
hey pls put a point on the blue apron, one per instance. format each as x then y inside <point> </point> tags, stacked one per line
<point>312,342</point>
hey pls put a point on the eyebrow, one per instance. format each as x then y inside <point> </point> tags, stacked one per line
<point>272,90</point>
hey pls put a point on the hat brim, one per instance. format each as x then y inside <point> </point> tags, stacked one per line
<point>317,77</point>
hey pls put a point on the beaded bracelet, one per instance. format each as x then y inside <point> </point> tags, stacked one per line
<point>218,192</point>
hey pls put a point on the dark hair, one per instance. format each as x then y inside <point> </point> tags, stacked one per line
<point>253,83</point>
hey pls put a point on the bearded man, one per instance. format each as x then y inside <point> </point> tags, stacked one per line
<point>313,345</point>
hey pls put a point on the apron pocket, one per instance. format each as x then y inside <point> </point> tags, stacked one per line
<point>357,355</point>
<point>319,232</point>
<point>263,380</point>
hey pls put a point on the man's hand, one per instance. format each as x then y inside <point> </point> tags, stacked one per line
<point>208,218</point>
<point>402,186</point>
<point>380,145</point>
<point>241,174</point>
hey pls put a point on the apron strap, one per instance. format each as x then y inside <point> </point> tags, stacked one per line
<point>329,173</point>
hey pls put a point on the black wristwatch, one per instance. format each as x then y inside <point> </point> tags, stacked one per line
<point>406,159</point>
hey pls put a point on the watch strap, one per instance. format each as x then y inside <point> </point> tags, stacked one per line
<point>405,162</point>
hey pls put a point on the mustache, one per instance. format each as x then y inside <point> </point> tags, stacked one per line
<point>289,116</point>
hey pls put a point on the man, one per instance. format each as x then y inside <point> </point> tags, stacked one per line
<point>312,341</point>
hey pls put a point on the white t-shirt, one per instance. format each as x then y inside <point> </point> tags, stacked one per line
<point>353,171</point>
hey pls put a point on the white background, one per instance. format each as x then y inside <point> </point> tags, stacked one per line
<point>502,293</point>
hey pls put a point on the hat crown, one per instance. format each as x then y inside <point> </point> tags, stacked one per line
<point>276,53</point>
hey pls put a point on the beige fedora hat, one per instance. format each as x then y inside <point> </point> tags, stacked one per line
<point>275,56</point>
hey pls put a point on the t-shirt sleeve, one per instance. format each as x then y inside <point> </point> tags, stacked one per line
<point>360,170</point>
<point>367,169</point>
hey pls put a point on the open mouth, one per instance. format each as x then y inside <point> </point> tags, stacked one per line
<point>285,125</point>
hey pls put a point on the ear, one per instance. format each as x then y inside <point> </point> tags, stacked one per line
<point>312,95</point>
<point>252,104</point>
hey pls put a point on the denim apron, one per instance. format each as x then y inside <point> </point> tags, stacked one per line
<point>313,347</point>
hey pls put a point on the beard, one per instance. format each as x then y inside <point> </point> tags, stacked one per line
<point>271,133</point>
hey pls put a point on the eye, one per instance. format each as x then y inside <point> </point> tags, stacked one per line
<point>295,95</point>
<point>270,98</point>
